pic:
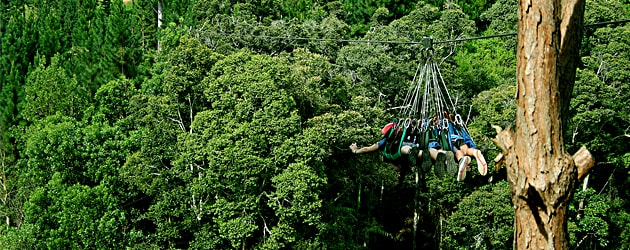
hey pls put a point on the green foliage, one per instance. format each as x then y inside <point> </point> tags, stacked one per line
<point>235,133</point>
<point>113,99</point>
<point>50,91</point>
<point>319,143</point>
<point>296,199</point>
<point>600,116</point>
<point>18,238</point>
<point>495,106</point>
<point>603,11</point>
<point>471,8</point>
<point>600,121</point>
<point>591,223</point>
<point>14,45</point>
<point>86,57</point>
<point>483,220</point>
<point>415,25</point>
<point>482,65</point>
<point>52,145</point>
<point>74,216</point>
<point>452,24</point>
<point>502,16</point>
<point>121,45</point>
<point>618,224</point>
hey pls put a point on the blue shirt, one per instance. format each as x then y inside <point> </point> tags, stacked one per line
<point>381,143</point>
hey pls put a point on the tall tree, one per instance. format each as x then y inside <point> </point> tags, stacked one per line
<point>541,173</point>
<point>122,45</point>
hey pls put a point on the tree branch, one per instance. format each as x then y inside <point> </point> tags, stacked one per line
<point>498,161</point>
<point>504,139</point>
<point>181,120</point>
<point>190,103</point>
<point>584,162</point>
<point>181,125</point>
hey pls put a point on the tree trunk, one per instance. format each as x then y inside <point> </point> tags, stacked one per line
<point>159,22</point>
<point>541,174</point>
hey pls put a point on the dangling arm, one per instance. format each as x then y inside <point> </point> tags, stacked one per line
<point>356,150</point>
<point>368,149</point>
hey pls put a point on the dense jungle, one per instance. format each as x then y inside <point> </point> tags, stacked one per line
<point>222,124</point>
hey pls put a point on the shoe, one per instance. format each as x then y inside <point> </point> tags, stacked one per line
<point>451,165</point>
<point>425,160</point>
<point>482,166</point>
<point>461,173</point>
<point>413,156</point>
<point>440,165</point>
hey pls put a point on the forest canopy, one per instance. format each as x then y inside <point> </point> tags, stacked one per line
<point>207,124</point>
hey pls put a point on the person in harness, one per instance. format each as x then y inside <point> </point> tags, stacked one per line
<point>463,147</point>
<point>403,151</point>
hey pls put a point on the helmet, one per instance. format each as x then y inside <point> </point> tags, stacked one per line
<point>387,128</point>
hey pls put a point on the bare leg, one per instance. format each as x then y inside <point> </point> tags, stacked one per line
<point>482,166</point>
<point>459,154</point>
<point>405,150</point>
<point>434,153</point>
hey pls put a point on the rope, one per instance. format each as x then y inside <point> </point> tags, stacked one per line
<point>436,99</point>
<point>446,90</point>
<point>223,34</point>
<point>408,105</point>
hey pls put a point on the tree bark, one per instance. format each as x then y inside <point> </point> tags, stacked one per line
<point>541,174</point>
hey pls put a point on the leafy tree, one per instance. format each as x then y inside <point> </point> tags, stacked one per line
<point>596,12</point>
<point>225,137</point>
<point>113,99</point>
<point>599,92</point>
<point>75,216</point>
<point>312,90</point>
<point>415,25</point>
<point>603,11</point>
<point>483,220</point>
<point>590,227</point>
<point>482,65</point>
<point>600,120</point>
<point>14,238</point>
<point>619,218</point>
<point>350,208</point>
<point>181,80</point>
<point>53,145</point>
<point>330,27</point>
<point>452,24</point>
<point>143,11</point>
<point>502,17</point>
<point>49,90</point>
<point>496,107</point>
<point>472,8</point>
<point>263,118</point>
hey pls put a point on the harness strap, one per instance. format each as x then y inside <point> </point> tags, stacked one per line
<point>399,140</point>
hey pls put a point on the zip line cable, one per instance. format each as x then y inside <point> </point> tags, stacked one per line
<point>394,42</point>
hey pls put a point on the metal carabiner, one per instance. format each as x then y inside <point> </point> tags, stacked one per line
<point>458,120</point>
<point>406,123</point>
<point>444,123</point>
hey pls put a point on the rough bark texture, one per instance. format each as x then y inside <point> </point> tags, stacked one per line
<point>542,175</point>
